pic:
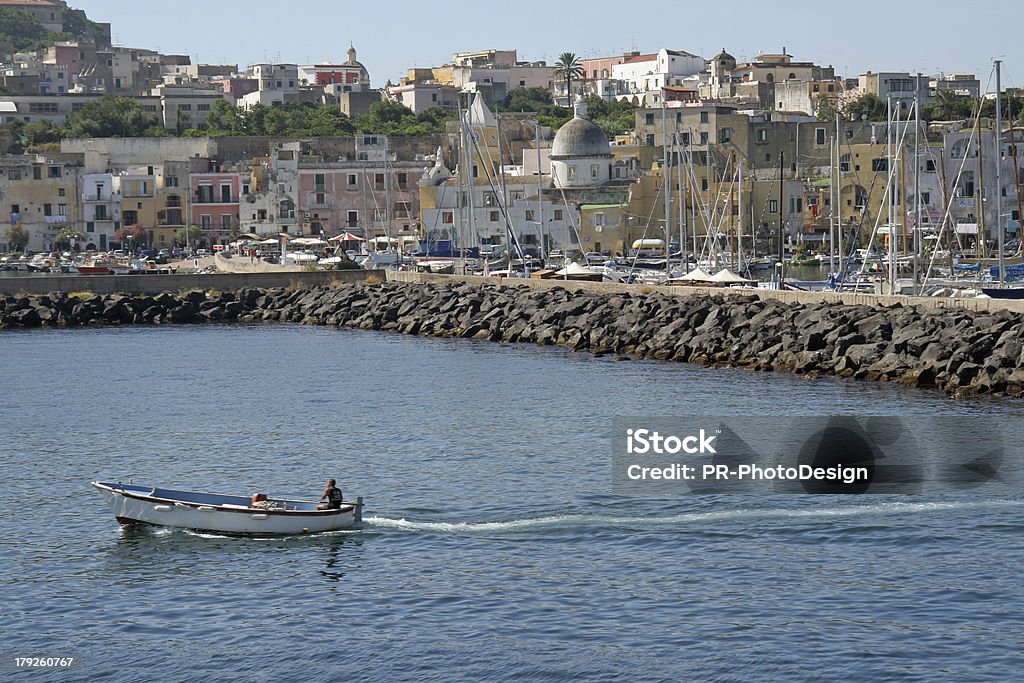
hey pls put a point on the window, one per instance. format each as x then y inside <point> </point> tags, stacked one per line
<point>844,163</point>
<point>47,209</point>
<point>61,191</point>
<point>245,189</point>
<point>558,214</point>
<point>819,136</point>
<point>880,165</point>
<point>184,107</point>
<point>37,172</point>
<point>225,194</point>
<point>704,138</point>
<point>725,135</point>
<point>447,217</point>
<point>796,204</point>
<point>53,172</point>
<point>595,169</point>
<point>762,135</point>
<point>353,219</point>
<point>529,214</point>
<point>926,198</point>
<point>378,180</point>
<point>704,117</point>
<point>320,198</point>
<point>649,140</point>
<point>773,206</point>
<point>261,214</point>
<point>402,179</point>
<point>704,183</point>
<point>318,180</point>
<point>101,213</point>
<point>353,181</point>
<point>572,173</point>
<point>90,226</point>
<point>493,217</point>
<point>170,181</point>
<point>225,222</point>
<point>929,165</point>
<point>62,209</point>
<point>202,107</point>
<point>15,174</point>
<point>649,119</point>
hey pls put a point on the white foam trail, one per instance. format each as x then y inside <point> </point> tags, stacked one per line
<point>685,518</point>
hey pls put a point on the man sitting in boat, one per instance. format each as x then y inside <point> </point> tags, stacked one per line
<point>333,495</point>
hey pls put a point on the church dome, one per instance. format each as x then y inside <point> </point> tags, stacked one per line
<point>580,137</point>
<point>724,56</point>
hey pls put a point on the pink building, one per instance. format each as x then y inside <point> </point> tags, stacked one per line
<point>238,87</point>
<point>215,204</point>
<point>338,197</point>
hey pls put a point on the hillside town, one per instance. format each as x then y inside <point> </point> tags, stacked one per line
<point>773,152</point>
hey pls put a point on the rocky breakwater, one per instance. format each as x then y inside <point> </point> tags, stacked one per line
<point>961,352</point>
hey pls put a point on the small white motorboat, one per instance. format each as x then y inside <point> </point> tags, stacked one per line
<point>213,512</point>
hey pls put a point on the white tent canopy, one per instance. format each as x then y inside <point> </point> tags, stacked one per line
<point>726,276</point>
<point>696,275</point>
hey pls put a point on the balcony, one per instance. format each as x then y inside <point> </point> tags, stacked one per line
<point>321,205</point>
<point>101,196</point>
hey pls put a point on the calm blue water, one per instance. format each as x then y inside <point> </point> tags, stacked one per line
<point>494,550</point>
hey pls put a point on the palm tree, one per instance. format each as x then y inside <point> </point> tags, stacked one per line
<point>568,67</point>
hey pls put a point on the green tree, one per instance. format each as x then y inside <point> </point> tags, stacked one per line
<point>188,236</point>
<point>23,32</point>
<point>568,68</point>
<point>67,237</point>
<point>110,117</point>
<point>946,105</point>
<point>225,119</point>
<point>824,109</point>
<point>527,99</point>
<point>16,237</point>
<point>613,116</point>
<point>867,104</point>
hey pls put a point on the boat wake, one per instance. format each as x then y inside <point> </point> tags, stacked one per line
<point>574,521</point>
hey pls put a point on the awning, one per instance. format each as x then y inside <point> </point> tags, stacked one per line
<point>347,237</point>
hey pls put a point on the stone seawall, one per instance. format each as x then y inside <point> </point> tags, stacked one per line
<point>962,352</point>
<point>154,284</point>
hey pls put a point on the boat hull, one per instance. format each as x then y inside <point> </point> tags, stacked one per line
<point>136,505</point>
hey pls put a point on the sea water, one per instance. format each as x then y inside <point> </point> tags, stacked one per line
<point>493,548</point>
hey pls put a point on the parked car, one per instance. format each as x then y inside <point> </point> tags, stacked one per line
<point>202,253</point>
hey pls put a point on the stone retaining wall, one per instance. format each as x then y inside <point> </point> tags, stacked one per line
<point>963,352</point>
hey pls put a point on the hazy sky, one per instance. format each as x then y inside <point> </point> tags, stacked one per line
<point>394,35</point>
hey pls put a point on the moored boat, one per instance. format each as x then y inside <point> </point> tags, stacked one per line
<point>219,513</point>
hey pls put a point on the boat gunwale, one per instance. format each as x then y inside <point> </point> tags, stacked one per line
<point>345,508</point>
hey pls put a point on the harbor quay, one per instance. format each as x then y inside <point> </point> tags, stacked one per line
<point>952,348</point>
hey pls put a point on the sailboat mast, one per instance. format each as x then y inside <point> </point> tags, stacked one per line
<point>540,198</point>
<point>684,180</point>
<point>839,201</point>
<point>999,164</point>
<point>832,206</point>
<point>666,174</point>
<point>891,190</point>
<point>739,213</point>
<point>917,182</point>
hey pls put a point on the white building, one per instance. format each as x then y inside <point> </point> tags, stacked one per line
<point>645,75</point>
<point>101,209</point>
